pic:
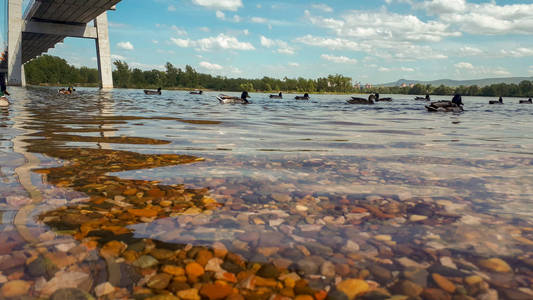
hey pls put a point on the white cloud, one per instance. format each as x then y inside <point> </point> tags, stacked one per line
<point>530,70</point>
<point>204,29</point>
<point>383,69</point>
<point>171,8</point>
<point>246,32</point>
<point>209,66</point>
<point>294,64</point>
<point>232,5</point>
<point>155,41</point>
<point>258,20</point>
<point>323,7</point>
<point>384,26</point>
<point>470,51</point>
<point>125,46</point>
<point>177,30</point>
<point>339,59</point>
<point>220,15</point>
<point>402,69</point>
<point>283,47</point>
<point>437,7</point>
<point>236,19</point>
<point>519,52</point>
<point>464,65</point>
<point>117,57</point>
<point>183,43</point>
<point>406,69</point>
<point>221,41</point>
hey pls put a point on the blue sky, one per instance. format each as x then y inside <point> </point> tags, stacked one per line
<point>371,41</point>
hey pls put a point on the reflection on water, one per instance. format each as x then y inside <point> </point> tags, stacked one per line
<point>178,196</point>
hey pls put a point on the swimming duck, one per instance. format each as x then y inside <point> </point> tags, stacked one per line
<point>500,101</point>
<point>3,101</point>
<point>444,106</point>
<point>225,99</point>
<point>304,97</point>
<point>427,98</point>
<point>528,101</point>
<point>378,99</point>
<point>68,91</point>
<point>149,92</point>
<point>357,100</point>
<point>196,92</point>
<point>279,96</point>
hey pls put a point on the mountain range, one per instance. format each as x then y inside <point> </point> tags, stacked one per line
<point>456,83</point>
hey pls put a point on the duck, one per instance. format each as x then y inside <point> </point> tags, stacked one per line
<point>304,97</point>
<point>378,99</point>
<point>225,99</point>
<point>427,98</point>
<point>528,101</point>
<point>500,101</point>
<point>67,91</point>
<point>149,92</point>
<point>279,96</point>
<point>444,106</point>
<point>357,100</point>
<point>4,102</point>
<point>196,92</point>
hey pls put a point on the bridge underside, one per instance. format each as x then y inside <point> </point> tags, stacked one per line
<point>48,22</point>
<point>63,12</point>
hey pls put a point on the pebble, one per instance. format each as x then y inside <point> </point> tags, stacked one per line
<point>302,208</point>
<point>194,270</point>
<point>409,288</point>
<point>159,281</point>
<point>417,218</point>
<point>104,289</point>
<point>145,261</point>
<point>70,294</point>
<point>216,292</point>
<point>328,269</point>
<point>190,294</point>
<point>443,283</point>
<point>496,265</point>
<point>435,294</point>
<point>15,288</point>
<point>448,262</point>
<point>353,287</point>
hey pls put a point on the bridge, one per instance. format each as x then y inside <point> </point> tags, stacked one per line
<point>48,22</point>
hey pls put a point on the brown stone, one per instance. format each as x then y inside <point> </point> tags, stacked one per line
<point>15,288</point>
<point>194,270</point>
<point>173,270</point>
<point>496,265</point>
<point>353,287</point>
<point>159,281</point>
<point>435,294</point>
<point>145,212</point>
<point>203,257</point>
<point>216,292</point>
<point>443,283</point>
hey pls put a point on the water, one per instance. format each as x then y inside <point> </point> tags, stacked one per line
<point>300,184</point>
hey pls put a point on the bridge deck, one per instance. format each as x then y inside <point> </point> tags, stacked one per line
<point>70,12</point>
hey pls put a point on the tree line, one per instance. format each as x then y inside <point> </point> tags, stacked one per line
<point>51,70</point>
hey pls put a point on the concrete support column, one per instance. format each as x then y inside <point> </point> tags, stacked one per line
<point>14,67</point>
<point>103,52</point>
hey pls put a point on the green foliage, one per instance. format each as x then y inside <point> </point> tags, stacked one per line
<point>54,70</point>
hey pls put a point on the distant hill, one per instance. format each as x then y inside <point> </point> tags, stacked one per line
<point>456,83</point>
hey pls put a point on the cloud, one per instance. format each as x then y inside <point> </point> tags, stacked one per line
<point>117,57</point>
<point>470,51</point>
<point>402,69</point>
<point>339,59</point>
<point>464,66</point>
<point>146,66</point>
<point>183,43</point>
<point>231,5</point>
<point>437,7</point>
<point>323,7</point>
<point>171,8</point>
<point>221,41</point>
<point>177,30</point>
<point>384,26</point>
<point>519,52</point>
<point>258,20</point>
<point>530,71</point>
<point>220,15</point>
<point>209,66</point>
<point>204,29</point>
<point>282,46</point>
<point>125,46</point>
<point>294,64</point>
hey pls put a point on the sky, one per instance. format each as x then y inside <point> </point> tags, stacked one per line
<point>372,41</point>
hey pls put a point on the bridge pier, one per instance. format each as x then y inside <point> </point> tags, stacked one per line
<point>103,51</point>
<point>43,30</point>
<point>15,68</point>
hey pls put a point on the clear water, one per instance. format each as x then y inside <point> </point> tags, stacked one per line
<point>316,168</point>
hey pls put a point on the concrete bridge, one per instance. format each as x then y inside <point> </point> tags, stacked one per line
<point>47,22</point>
